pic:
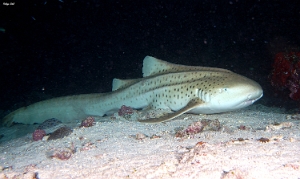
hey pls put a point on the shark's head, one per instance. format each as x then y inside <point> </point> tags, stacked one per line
<point>230,93</point>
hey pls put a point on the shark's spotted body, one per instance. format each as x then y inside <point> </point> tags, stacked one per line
<point>183,89</point>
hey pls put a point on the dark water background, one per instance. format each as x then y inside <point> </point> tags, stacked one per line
<point>56,48</point>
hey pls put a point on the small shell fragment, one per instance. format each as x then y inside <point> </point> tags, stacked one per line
<point>140,136</point>
<point>276,126</point>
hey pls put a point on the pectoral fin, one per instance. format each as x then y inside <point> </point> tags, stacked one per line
<point>192,104</point>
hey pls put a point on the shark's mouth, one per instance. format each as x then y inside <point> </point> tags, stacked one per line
<point>248,102</point>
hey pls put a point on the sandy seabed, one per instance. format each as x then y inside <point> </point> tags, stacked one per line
<point>256,142</point>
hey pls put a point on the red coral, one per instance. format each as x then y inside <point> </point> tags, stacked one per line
<point>88,122</point>
<point>125,110</point>
<point>286,73</point>
<point>60,133</point>
<point>281,71</point>
<point>61,153</point>
<point>194,128</point>
<point>191,130</point>
<point>38,134</point>
<point>242,127</point>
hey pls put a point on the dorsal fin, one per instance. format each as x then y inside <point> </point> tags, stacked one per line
<point>120,83</point>
<point>153,66</point>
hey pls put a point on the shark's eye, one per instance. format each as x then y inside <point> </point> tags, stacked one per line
<point>221,90</point>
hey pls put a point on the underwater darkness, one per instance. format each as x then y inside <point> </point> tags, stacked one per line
<point>51,48</point>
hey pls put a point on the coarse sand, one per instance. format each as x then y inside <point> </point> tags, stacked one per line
<point>255,142</point>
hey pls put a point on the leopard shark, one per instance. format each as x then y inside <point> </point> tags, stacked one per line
<point>177,88</point>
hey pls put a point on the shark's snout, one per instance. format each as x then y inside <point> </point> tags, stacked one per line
<point>253,98</point>
<point>252,92</point>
